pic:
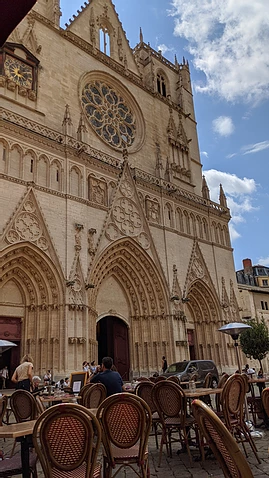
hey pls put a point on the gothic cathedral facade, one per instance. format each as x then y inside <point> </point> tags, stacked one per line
<point>110,243</point>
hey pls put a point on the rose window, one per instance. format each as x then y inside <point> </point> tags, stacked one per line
<point>109,114</point>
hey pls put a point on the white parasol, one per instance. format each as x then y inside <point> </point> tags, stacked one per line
<point>5,345</point>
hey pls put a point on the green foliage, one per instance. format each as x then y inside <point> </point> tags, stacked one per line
<point>255,341</point>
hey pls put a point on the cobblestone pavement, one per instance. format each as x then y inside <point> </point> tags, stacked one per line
<point>179,466</point>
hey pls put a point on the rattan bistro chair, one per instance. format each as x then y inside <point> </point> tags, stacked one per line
<point>94,396</point>
<point>223,379</point>
<point>174,378</point>
<point>23,405</point>
<point>125,421</point>
<point>67,438</point>
<point>171,404</point>
<point>233,400</point>
<point>83,390</point>
<point>208,384</point>
<point>3,408</point>
<point>221,442</point>
<point>144,391</point>
<point>265,400</point>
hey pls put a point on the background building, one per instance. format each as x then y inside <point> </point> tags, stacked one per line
<point>253,286</point>
<point>110,243</point>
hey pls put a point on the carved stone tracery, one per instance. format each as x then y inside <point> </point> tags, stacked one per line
<point>109,114</point>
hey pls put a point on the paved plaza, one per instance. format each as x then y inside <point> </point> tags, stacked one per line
<point>179,467</point>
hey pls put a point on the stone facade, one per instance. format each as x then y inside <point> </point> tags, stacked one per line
<point>110,243</point>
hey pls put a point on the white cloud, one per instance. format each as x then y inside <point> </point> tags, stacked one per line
<point>239,193</point>
<point>233,233</point>
<point>164,48</point>
<point>223,125</point>
<point>204,153</point>
<point>229,43</point>
<point>231,155</point>
<point>264,261</point>
<point>255,148</point>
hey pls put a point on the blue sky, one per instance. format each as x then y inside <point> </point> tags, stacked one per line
<point>226,43</point>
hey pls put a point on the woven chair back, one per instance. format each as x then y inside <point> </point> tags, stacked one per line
<point>223,379</point>
<point>143,379</point>
<point>83,390</point>
<point>174,378</point>
<point>39,405</point>
<point>233,396</point>
<point>265,400</point>
<point>94,396</point>
<point>67,439</point>
<point>169,400</point>
<point>126,421</point>
<point>208,380</point>
<point>3,408</point>
<point>23,405</point>
<point>161,378</point>
<point>144,391</point>
<point>221,442</point>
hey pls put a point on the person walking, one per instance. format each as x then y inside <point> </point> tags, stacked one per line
<point>164,364</point>
<point>23,375</point>
<point>4,375</point>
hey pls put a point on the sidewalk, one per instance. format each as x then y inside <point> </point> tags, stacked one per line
<point>179,467</point>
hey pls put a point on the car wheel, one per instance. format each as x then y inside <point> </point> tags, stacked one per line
<point>214,383</point>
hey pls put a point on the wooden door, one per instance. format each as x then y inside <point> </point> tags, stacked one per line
<point>121,348</point>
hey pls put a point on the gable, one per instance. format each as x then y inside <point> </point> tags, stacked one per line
<point>98,23</point>
<point>27,224</point>
<point>126,218</point>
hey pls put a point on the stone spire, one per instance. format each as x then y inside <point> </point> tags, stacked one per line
<point>82,130</point>
<point>141,36</point>
<point>67,122</point>
<point>205,189</point>
<point>222,197</point>
<point>50,9</point>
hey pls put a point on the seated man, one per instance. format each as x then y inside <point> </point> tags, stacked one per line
<point>112,380</point>
<point>35,385</point>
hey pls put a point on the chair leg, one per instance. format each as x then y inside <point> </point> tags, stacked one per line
<point>13,448</point>
<point>155,427</point>
<point>163,440</point>
<point>248,438</point>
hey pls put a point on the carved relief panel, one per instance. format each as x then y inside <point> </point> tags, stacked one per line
<point>153,211</point>
<point>97,191</point>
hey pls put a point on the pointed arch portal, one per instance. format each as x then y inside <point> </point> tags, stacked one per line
<point>31,304</point>
<point>148,333</point>
<point>203,308</point>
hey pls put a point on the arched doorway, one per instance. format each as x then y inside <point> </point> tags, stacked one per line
<point>113,341</point>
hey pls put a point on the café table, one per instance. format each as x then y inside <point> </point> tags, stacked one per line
<point>199,392</point>
<point>53,399</point>
<point>20,430</point>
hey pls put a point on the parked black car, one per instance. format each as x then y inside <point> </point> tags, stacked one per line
<point>184,370</point>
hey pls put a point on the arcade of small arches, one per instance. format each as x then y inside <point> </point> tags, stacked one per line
<point>187,222</point>
<point>49,172</point>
